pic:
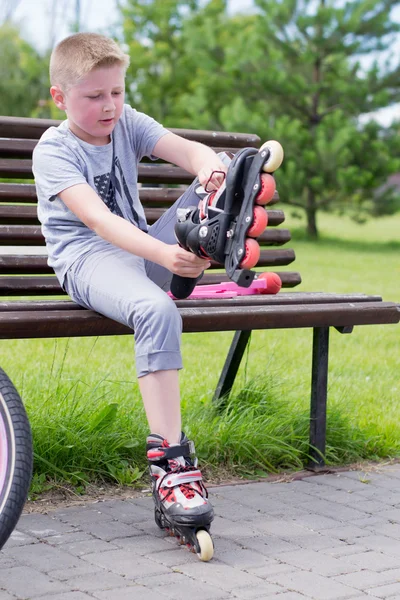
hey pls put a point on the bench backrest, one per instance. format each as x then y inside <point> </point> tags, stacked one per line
<point>24,272</point>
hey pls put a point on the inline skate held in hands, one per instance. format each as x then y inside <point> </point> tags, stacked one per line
<point>224,225</point>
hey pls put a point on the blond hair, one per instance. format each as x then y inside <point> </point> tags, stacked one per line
<point>75,56</point>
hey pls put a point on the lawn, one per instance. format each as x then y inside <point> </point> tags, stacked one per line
<point>83,402</point>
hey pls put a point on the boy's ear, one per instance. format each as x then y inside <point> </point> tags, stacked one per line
<point>58,97</point>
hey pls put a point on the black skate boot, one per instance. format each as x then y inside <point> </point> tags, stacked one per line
<point>181,499</point>
<point>225,223</point>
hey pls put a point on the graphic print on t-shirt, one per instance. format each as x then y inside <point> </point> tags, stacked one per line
<point>111,187</point>
<point>106,191</point>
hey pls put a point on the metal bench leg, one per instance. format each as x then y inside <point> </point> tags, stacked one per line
<point>319,391</point>
<point>232,364</point>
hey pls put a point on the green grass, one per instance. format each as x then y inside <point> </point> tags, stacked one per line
<point>87,418</point>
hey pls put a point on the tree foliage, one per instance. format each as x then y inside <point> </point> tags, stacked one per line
<point>292,70</point>
<point>23,75</point>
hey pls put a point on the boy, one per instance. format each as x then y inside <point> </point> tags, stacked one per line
<point>101,250</point>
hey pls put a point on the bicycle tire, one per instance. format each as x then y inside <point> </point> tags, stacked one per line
<point>16,457</point>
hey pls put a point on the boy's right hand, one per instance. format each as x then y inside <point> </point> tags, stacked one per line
<point>184,263</point>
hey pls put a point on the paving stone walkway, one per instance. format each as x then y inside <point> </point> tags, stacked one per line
<point>323,537</point>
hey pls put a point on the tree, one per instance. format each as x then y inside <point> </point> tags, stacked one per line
<point>291,71</point>
<point>23,74</point>
<point>157,76</point>
<point>310,66</point>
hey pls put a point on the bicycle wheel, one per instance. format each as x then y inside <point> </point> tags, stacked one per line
<point>15,457</point>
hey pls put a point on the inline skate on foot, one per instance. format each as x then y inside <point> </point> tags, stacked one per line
<point>224,225</point>
<point>181,499</point>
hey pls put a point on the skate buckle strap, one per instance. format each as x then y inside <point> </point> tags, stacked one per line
<point>173,479</point>
<point>161,453</point>
<point>209,180</point>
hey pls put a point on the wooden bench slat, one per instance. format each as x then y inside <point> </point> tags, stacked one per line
<point>14,264</point>
<point>26,193</point>
<point>32,324</point>
<point>23,148</point>
<point>29,128</point>
<point>31,235</point>
<point>18,192</point>
<point>282,299</point>
<point>21,168</point>
<point>20,148</point>
<point>37,285</point>
<point>12,214</point>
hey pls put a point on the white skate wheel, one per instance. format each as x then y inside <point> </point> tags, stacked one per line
<point>206,545</point>
<point>275,156</point>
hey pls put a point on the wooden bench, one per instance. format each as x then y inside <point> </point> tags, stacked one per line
<point>26,274</point>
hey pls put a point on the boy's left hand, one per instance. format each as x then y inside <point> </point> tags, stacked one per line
<point>212,174</point>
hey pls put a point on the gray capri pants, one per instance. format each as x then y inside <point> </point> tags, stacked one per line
<point>130,290</point>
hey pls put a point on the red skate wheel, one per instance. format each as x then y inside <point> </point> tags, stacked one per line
<point>251,254</point>
<point>260,221</point>
<point>274,283</point>
<point>267,191</point>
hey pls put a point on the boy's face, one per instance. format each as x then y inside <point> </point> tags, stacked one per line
<point>94,105</point>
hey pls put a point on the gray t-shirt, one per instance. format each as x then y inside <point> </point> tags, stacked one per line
<point>61,160</point>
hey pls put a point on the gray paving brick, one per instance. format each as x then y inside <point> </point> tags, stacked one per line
<point>89,545</point>
<point>365,579</point>
<point>25,582</point>
<point>145,544</point>
<point>180,587</point>
<point>286,596</point>
<point>243,559</point>
<point>392,514</point>
<point>346,532</point>
<point>272,567</point>
<point>81,516</point>
<point>65,539</point>
<point>110,530</point>
<point>269,546</point>
<point>382,543</point>
<point>99,581</point>
<point>220,575</point>
<point>6,596</point>
<point>172,558</point>
<point>19,538</point>
<point>127,511</point>
<point>380,480</point>
<point>341,512</point>
<point>44,557</point>
<point>136,592</point>
<point>235,511</point>
<point>6,562</point>
<point>376,561</point>
<point>126,563</point>
<point>41,526</point>
<point>83,569</point>
<point>316,541</point>
<point>317,522</point>
<point>309,560</point>
<point>341,482</point>
<point>314,586</point>
<point>390,529</point>
<point>386,591</point>
<point>344,550</point>
<point>263,590</point>
<point>69,596</point>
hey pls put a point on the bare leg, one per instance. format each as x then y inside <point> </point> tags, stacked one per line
<point>161,399</point>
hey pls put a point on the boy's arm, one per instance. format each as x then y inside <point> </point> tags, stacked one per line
<point>195,158</point>
<point>83,201</point>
